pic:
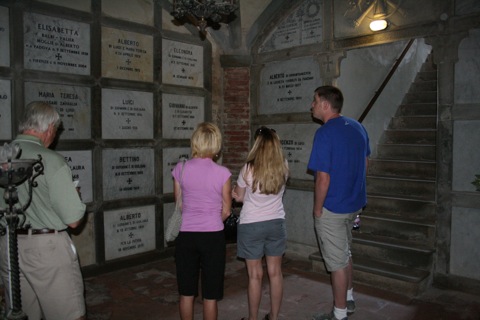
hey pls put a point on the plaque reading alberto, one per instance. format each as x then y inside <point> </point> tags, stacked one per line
<point>127,55</point>
<point>182,64</point>
<point>57,45</point>
<point>181,114</point>
<point>71,102</point>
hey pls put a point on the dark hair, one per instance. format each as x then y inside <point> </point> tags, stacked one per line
<point>333,95</point>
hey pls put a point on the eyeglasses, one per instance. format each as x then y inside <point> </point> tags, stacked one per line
<point>263,130</point>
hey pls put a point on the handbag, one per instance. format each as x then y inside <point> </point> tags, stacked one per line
<point>230,225</point>
<point>175,221</point>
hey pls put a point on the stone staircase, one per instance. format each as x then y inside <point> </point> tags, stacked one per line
<point>394,247</point>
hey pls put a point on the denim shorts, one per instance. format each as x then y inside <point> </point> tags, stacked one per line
<point>254,240</point>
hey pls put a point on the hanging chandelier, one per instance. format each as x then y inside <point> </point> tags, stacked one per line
<point>201,12</point>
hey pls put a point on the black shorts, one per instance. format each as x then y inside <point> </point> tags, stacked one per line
<point>200,253</point>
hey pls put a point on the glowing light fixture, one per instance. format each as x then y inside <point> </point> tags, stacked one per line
<point>379,14</point>
<point>201,12</point>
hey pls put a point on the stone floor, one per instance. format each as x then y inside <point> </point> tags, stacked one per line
<point>149,292</point>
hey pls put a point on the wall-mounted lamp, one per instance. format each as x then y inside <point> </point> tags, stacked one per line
<point>379,14</point>
<point>200,12</point>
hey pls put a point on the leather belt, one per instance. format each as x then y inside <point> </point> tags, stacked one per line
<point>37,231</point>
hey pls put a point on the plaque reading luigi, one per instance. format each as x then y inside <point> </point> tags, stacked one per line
<point>128,173</point>
<point>180,115</point>
<point>5,110</point>
<point>129,231</point>
<point>171,156</point>
<point>4,38</point>
<point>71,102</point>
<point>127,114</point>
<point>182,64</point>
<point>57,45</point>
<point>127,55</point>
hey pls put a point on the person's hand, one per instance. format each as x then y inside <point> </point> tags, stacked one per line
<point>317,213</point>
<point>79,193</point>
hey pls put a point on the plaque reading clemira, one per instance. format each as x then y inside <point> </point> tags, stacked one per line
<point>57,45</point>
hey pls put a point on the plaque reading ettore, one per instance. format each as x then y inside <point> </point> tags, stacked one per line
<point>58,45</point>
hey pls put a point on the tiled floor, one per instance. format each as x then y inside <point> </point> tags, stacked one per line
<point>149,292</point>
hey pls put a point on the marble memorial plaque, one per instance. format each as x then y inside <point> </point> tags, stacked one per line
<point>135,11</point>
<point>288,86</point>
<point>171,156</point>
<point>182,64</point>
<point>297,141</point>
<point>181,114</point>
<point>129,231</point>
<point>72,103</point>
<point>128,173</point>
<point>304,26</point>
<point>82,5</point>
<point>127,114</point>
<point>57,45</point>
<point>85,241</point>
<point>5,110</point>
<point>127,55</point>
<point>168,209</point>
<point>4,37</point>
<point>80,162</point>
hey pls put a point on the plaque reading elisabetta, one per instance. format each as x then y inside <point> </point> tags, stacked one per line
<point>55,44</point>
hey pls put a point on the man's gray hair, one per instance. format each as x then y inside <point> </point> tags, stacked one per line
<point>38,116</point>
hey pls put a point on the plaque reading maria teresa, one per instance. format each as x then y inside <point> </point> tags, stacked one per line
<point>127,55</point>
<point>180,115</point>
<point>171,156</point>
<point>127,114</point>
<point>58,45</point>
<point>296,141</point>
<point>304,26</point>
<point>80,162</point>
<point>182,64</point>
<point>288,86</point>
<point>129,231</point>
<point>4,38</point>
<point>5,110</point>
<point>128,173</point>
<point>71,102</point>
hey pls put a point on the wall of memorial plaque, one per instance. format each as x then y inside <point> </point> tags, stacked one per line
<point>303,26</point>
<point>135,11</point>
<point>5,110</point>
<point>171,156</point>
<point>4,37</point>
<point>82,5</point>
<point>129,231</point>
<point>72,103</point>
<point>128,173</point>
<point>80,163</point>
<point>288,86</point>
<point>182,64</point>
<point>127,114</point>
<point>127,55</point>
<point>55,44</point>
<point>181,114</point>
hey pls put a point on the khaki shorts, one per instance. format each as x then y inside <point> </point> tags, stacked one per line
<point>50,277</point>
<point>334,235</point>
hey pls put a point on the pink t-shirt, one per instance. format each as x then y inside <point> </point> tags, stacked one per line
<point>202,185</point>
<point>256,206</point>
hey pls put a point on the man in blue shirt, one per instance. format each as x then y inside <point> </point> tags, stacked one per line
<point>339,161</point>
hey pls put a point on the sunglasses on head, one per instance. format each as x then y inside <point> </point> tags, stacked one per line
<point>263,130</point>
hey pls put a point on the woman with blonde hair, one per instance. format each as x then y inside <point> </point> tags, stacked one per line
<point>200,249</point>
<point>261,230</point>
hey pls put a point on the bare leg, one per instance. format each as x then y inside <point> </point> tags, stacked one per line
<point>255,275</point>
<point>186,307</point>
<point>210,309</point>
<point>340,281</point>
<point>274,268</point>
<point>350,274</point>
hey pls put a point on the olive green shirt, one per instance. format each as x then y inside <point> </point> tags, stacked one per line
<point>55,201</point>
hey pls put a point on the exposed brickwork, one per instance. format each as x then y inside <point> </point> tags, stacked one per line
<point>236,118</point>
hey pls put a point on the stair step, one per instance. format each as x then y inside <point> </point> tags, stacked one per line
<point>375,224</point>
<point>420,97</point>
<point>426,76</point>
<point>407,188</point>
<point>423,86</point>
<point>402,168</point>
<point>401,208</point>
<point>409,136</point>
<point>417,109</point>
<point>413,122</point>
<point>407,151</point>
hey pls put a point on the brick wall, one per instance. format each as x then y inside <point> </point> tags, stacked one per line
<point>236,118</point>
